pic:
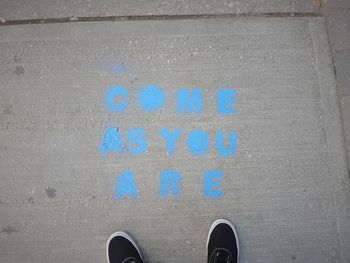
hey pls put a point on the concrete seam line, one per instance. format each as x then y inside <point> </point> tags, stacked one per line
<point>149,17</point>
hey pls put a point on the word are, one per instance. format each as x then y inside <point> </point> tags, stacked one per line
<point>152,98</point>
<point>169,183</point>
<point>136,143</point>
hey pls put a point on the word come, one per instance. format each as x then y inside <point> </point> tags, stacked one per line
<point>152,98</point>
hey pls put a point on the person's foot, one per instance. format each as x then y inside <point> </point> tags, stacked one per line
<point>222,243</point>
<point>121,248</point>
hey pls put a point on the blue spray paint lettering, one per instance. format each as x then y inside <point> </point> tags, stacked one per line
<point>226,100</point>
<point>111,141</point>
<point>212,184</point>
<point>187,102</point>
<point>170,139</point>
<point>198,142</point>
<point>151,98</point>
<point>220,144</point>
<point>117,92</point>
<point>170,182</point>
<point>137,143</point>
<point>125,186</point>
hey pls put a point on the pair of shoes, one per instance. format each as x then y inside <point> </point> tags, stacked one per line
<point>222,245</point>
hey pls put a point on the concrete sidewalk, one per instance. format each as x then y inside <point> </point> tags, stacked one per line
<point>284,185</point>
<point>41,9</point>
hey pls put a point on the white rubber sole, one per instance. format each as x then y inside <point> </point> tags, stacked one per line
<point>224,221</point>
<point>123,234</point>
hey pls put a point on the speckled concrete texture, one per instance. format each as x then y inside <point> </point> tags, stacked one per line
<point>284,189</point>
<point>34,9</point>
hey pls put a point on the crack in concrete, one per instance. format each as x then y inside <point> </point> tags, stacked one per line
<point>150,17</point>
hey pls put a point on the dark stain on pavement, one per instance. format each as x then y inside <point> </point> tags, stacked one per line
<point>31,200</point>
<point>8,109</point>
<point>17,59</point>
<point>9,230</point>
<point>19,70</point>
<point>50,192</point>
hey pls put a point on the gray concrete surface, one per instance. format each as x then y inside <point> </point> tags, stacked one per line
<point>343,215</point>
<point>285,188</point>
<point>345,108</point>
<point>34,9</point>
<point>337,13</point>
<point>342,65</point>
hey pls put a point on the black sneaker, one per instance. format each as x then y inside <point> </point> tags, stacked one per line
<point>121,248</point>
<point>222,243</point>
